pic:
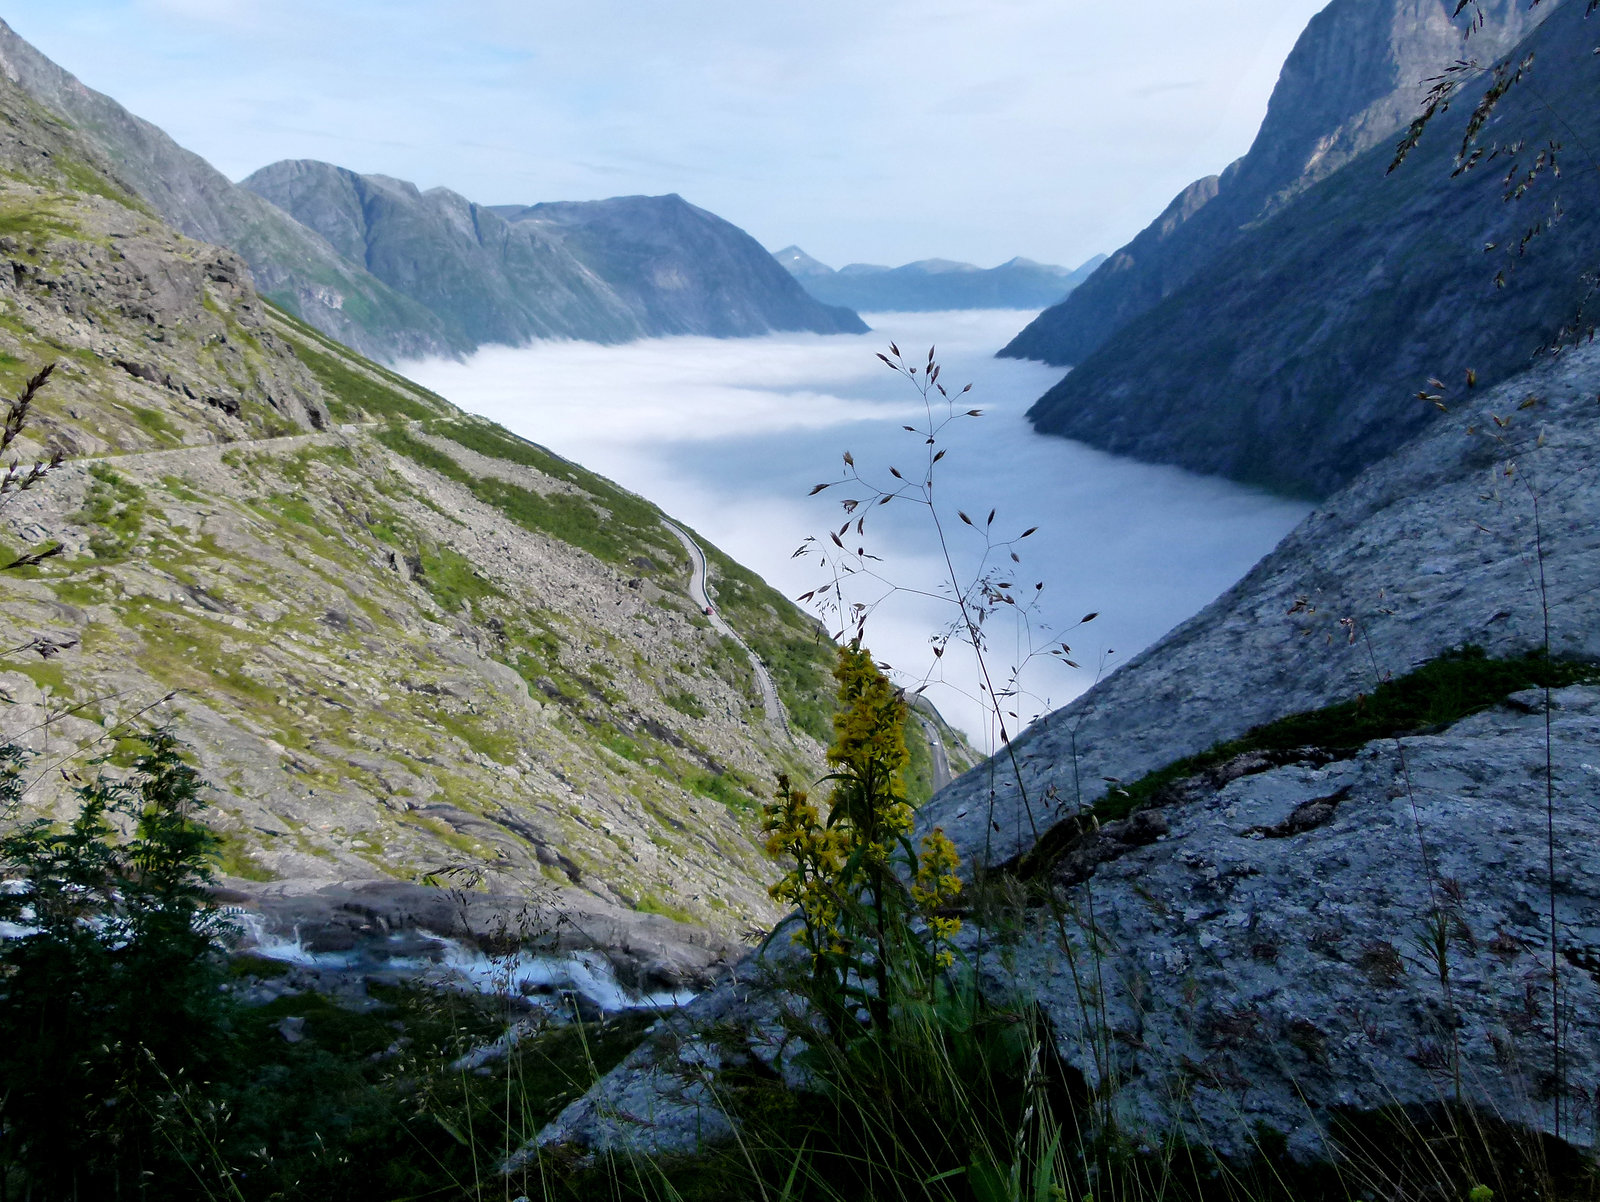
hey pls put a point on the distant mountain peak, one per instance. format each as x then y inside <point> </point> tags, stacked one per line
<point>598,270</point>
<point>934,284</point>
<point>797,263</point>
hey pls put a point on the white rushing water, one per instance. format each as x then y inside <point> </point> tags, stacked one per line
<point>446,962</point>
<point>730,436</point>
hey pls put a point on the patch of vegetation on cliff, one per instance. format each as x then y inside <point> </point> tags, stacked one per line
<point>115,508</point>
<point>1440,693</point>
<point>353,385</point>
<point>627,527</point>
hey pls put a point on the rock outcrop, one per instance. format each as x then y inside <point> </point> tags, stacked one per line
<point>605,271</point>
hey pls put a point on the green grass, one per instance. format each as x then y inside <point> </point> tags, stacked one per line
<point>235,859</point>
<point>918,772</point>
<point>651,904</point>
<point>115,509</point>
<point>626,529</point>
<point>729,788</point>
<point>351,393</point>
<point>685,703</point>
<point>453,581</point>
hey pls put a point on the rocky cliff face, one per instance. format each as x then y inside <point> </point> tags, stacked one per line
<point>932,285</point>
<point>290,264</point>
<point>1295,359</point>
<point>1354,78</point>
<point>400,640</point>
<point>606,271</point>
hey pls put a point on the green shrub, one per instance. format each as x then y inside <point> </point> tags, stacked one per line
<point>110,1007</point>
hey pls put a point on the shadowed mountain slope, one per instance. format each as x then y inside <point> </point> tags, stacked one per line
<point>1352,79</point>
<point>1297,360</point>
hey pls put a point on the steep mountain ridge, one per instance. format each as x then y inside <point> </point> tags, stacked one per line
<point>400,640</point>
<point>1297,359</point>
<point>931,285</point>
<point>289,263</point>
<point>1355,76</point>
<point>606,271</point>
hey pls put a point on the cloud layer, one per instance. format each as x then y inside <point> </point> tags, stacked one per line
<point>730,436</point>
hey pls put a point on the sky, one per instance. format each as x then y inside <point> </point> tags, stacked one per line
<point>869,132</point>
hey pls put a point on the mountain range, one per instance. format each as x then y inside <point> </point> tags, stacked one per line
<point>397,639</point>
<point>1277,323</point>
<point>431,273</point>
<point>605,271</point>
<point>931,285</point>
<point>1321,856</point>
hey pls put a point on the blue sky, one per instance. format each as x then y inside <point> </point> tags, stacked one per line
<point>880,132</point>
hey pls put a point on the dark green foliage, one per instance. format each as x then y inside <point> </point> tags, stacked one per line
<point>110,1010</point>
<point>366,1107</point>
<point>128,1071</point>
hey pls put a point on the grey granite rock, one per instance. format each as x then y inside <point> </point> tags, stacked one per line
<point>1254,969</point>
<point>1431,549</point>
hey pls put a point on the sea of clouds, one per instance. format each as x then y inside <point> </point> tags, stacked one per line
<point>730,435</point>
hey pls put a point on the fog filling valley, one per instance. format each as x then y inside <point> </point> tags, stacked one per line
<point>730,436</point>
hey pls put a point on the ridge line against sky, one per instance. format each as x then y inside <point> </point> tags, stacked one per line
<point>1052,129</point>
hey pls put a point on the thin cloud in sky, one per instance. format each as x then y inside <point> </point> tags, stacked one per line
<point>885,132</point>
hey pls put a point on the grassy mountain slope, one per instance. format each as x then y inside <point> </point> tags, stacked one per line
<point>290,264</point>
<point>399,638</point>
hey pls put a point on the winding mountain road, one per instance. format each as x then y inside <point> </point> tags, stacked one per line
<point>941,758</point>
<point>697,593</point>
<point>697,559</point>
